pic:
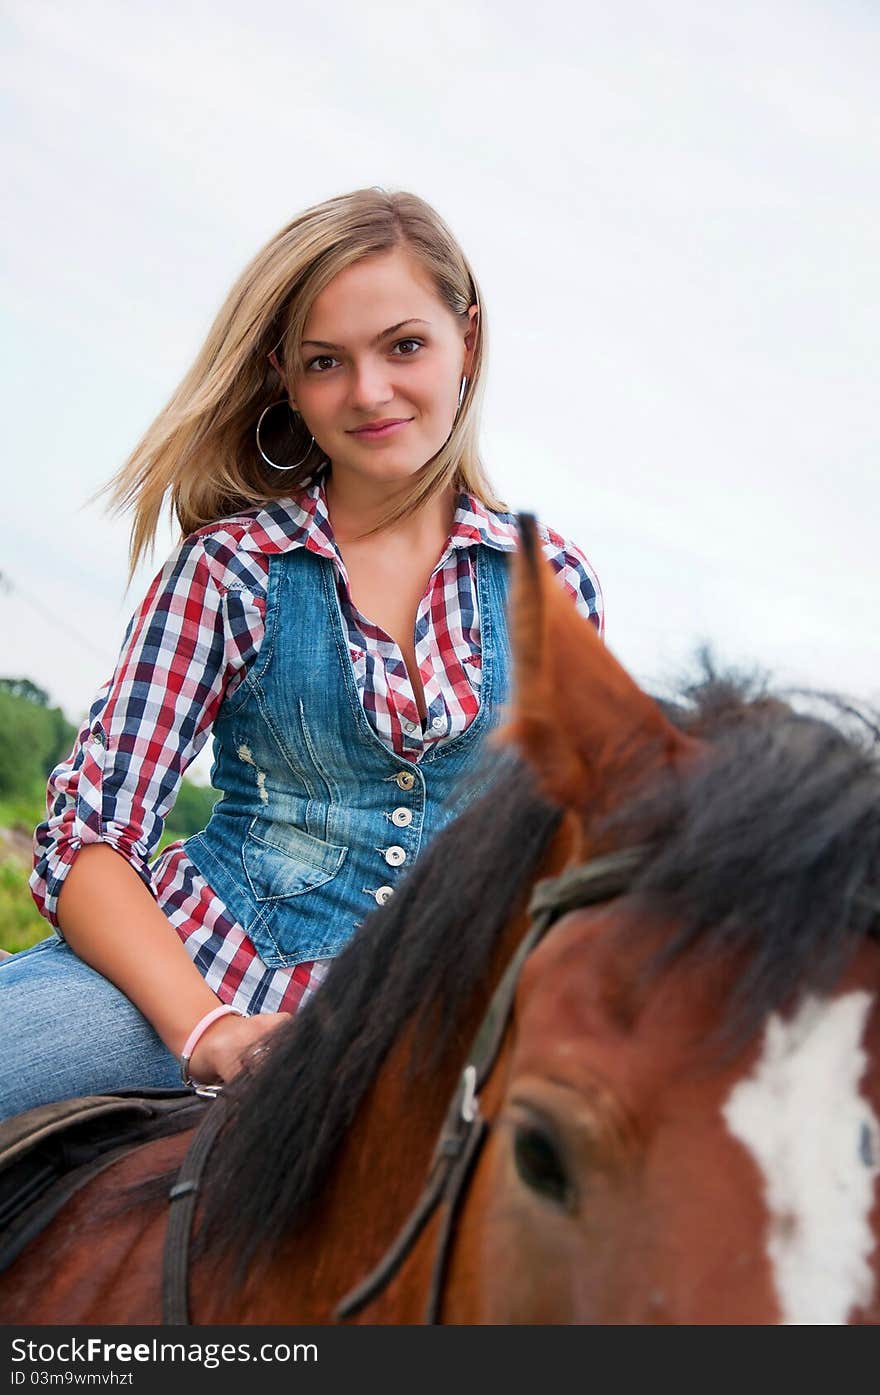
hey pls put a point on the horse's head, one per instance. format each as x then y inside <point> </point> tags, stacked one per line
<point>684,1122</point>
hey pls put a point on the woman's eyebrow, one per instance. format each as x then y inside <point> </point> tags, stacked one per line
<point>322,343</point>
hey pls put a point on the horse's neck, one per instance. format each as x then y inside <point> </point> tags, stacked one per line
<point>379,1174</point>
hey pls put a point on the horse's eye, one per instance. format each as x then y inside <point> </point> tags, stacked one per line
<point>539,1165</point>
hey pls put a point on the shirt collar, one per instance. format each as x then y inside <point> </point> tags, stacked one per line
<point>303,521</point>
<point>475,523</point>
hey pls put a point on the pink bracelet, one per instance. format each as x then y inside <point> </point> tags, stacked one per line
<point>192,1042</point>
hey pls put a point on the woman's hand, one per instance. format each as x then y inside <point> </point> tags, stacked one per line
<point>229,1043</point>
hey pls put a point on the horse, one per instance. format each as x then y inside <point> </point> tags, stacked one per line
<point>611,1054</point>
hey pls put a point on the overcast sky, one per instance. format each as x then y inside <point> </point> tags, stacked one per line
<point>673,211</point>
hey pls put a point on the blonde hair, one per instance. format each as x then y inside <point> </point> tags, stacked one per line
<point>201,453</point>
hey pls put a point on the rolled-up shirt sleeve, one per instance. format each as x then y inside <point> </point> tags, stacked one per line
<point>188,642</point>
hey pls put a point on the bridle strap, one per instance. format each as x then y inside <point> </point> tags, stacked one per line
<point>178,1232</point>
<point>464,1128</point>
<point>601,879</point>
<point>384,1271</point>
<point>454,1151</point>
<point>592,882</point>
<point>455,1193</point>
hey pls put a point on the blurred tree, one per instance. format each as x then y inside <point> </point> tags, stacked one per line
<point>33,738</point>
<point>24,688</point>
<point>191,811</point>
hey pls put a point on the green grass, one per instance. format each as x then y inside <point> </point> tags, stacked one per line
<point>25,811</point>
<point>21,924</point>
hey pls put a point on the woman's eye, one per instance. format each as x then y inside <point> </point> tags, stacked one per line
<point>322,358</point>
<point>408,354</point>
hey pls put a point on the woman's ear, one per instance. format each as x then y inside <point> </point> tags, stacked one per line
<point>273,359</point>
<point>470,340</point>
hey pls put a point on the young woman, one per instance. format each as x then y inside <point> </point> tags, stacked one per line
<point>335,615</point>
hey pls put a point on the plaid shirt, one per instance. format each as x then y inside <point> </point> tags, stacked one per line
<point>191,643</point>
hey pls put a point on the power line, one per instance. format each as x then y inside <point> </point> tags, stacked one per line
<point>9,588</point>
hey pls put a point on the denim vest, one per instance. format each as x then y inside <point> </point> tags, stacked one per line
<point>319,819</point>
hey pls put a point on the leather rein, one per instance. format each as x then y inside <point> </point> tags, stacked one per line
<point>464,1127</point>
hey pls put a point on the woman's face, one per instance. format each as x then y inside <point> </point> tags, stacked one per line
<point>380,345</point>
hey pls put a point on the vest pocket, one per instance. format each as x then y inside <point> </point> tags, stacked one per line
<point>283,860</point>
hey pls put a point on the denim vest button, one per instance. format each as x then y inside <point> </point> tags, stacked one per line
<point>402,818</point>
<point>395,856</point>
<point>383,894</point>
<point>405,780</point>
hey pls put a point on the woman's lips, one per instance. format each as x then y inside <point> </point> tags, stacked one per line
<point>378,433</point>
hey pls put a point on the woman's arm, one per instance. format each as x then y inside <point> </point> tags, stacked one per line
<point>191,638</point>
<point>110,919</point>
<point>178,659</point>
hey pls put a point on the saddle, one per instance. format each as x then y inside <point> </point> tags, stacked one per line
<point>47,1154</point>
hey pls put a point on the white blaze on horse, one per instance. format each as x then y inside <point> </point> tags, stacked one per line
<point>815,1137</point>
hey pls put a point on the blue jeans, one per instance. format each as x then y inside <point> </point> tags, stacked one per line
<point>66,1031</point>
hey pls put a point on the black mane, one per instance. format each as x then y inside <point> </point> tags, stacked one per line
<point>771,850</point>
<point>773,846</point>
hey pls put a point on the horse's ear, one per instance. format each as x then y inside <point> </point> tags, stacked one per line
<point>586,727</point>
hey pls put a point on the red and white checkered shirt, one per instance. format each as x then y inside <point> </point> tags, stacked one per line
<point>191,643</point>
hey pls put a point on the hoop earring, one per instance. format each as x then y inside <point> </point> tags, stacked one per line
<point>297,464</point>
<point>461,393</point>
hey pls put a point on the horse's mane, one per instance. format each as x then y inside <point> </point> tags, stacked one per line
<point>770,851</point>
<point>773,846</point>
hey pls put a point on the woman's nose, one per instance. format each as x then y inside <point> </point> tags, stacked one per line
<point>371,385</point>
